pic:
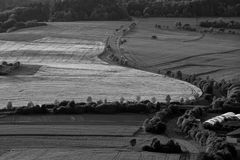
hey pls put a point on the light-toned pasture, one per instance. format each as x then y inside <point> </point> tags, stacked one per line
<point>216,55</point>
<point>71,69</point>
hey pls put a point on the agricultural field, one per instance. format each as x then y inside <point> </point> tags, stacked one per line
<point>61,62</point>
<point>94,154</point>
<point>78,137</point>
<point>215,55</point>
<point>65,56</point>
<point>85,119</point>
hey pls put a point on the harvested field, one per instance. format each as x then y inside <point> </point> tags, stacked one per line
<point>93,154</point>
<point>71,69</point>
<point>66,54</point>
<point>68,130</point>
<point>214,55</point>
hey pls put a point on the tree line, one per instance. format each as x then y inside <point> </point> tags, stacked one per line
<point>76,10</point>
<point>200,8</point>
<point>64,10</point>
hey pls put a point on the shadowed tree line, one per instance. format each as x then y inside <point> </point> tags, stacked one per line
<point>75,10</point>
<point>63,10</point>
<point>72,10</point>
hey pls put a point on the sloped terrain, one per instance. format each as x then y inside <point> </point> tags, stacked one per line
<point>71,69</point>
<point>214,55</point>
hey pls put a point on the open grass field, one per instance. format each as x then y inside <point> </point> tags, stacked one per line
<point>214,55</point>
<point>70,69</point>
<point>93,154</point>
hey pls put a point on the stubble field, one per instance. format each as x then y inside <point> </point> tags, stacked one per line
<point>70,69</point>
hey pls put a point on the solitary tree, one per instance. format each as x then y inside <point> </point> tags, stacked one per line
<point>153,99</point>
<point>30,104</point>
<point>105,101</point>
<point>196,96</point>
<point>56,102</point>
<point>179,75</point>
<point>168,99</point>
<point>122,100</point>
<point>9,105</point>
<point>182,100</point>
<point>138,98</point>
<point>89,99</point>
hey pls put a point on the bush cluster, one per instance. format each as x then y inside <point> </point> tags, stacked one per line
<point>169,147</point>
<point>157,124</point>
<point>220,23</point>
<point>216,146</point>
<point>228,91</point>
<point>16,19</point>
<point>6,68</point>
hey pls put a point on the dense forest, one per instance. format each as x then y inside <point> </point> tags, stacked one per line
<point>178,8</point>
<point>64,10</point>
<point>75,10</point>
<point>71,10</point>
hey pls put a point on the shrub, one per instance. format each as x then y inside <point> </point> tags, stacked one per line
<point>80,109</point>
<point>107,108</point>
<point>34,23</point>
<point>9,23</point>
<point>63,103</point>
<point>136,108</point>
<point>89,99</point>
<point>168,99</point>
<point>156,146</point>
<point>154,37</point>
<point>147,148</point>
<point>155,125</point>
<point>122,100</point>
<point>33,110</point>
<point>20,25</point>
<point>12,29</point>
<point>205,156</point>
<point>220,23</point>
<point>179,75</point>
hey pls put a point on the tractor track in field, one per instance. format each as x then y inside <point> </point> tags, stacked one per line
<point>190,57</point>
